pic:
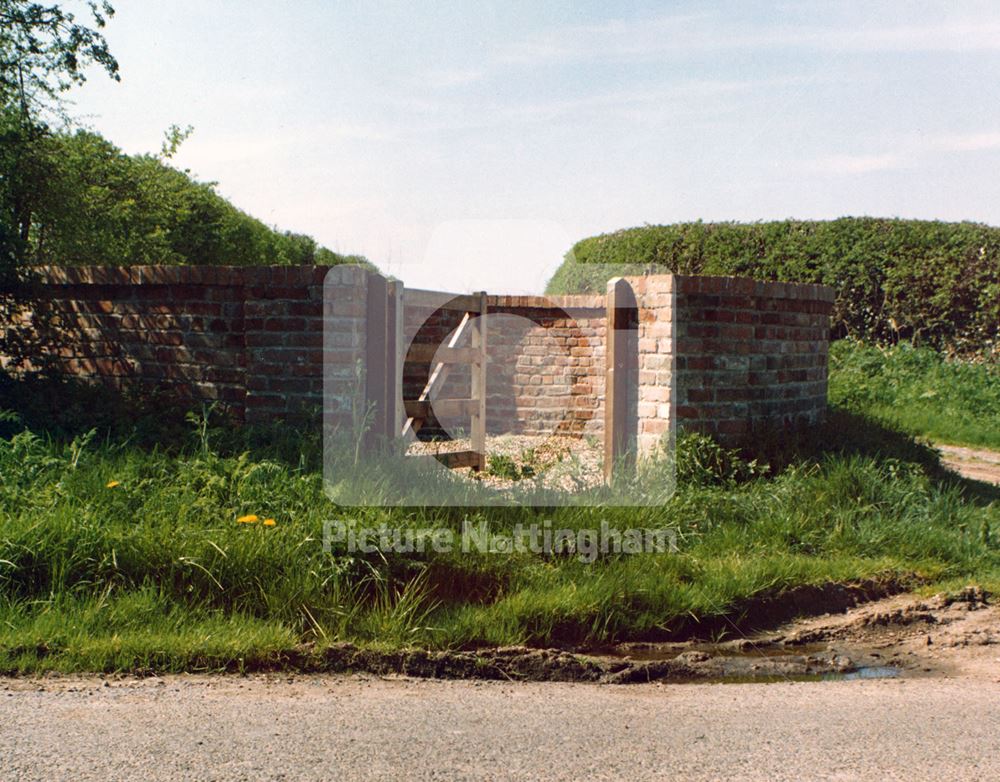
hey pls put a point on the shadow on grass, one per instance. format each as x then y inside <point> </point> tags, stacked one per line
<point>65,408</point>
<point>772,609</point>
<point>62,409</point>
<point>844,433</point>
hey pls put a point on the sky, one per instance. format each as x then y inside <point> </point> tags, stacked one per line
<point>467,145</point>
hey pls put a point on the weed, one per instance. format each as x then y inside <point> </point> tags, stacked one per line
<point>504,467</point>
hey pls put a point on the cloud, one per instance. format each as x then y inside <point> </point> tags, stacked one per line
<point>445,78</point>
<point>657,37</point>
<point>969,142</point>
<point>688,99</point>
<point>220,147</point>
<point>949,36</point>
<point>614,39</point>
<point>856,164</point>
<point>670,98</point>
<point>909,153</point>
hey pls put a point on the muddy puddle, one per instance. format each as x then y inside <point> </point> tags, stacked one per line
<point>902,635</point>
<point>741,662</point>
<point>738,662</point>
<point>657,652</point>
<point>813,656</point>
<point>676,663</point>
<point>871,672</point>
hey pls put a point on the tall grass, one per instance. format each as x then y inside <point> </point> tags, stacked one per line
<point>919,391</point>
<point>117,555</point>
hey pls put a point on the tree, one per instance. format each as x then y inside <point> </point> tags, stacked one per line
<point>44,51</point>
<point>72,197</point>
<point>100,206</point>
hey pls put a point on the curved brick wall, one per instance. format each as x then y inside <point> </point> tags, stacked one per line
<point>546,362</point>
<point>728,354</point>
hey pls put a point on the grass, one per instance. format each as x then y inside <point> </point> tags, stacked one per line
<point>919,391</point>
<point>121,550</point>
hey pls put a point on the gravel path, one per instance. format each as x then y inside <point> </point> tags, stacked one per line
<point>554,461</point>
<point>355,728</point>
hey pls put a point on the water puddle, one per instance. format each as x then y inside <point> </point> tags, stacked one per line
<point>869,672</point>
<point>746,662</point>
<point>662,652</point>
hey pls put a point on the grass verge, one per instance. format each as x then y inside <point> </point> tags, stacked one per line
<point>121,553</point>
<point>918,391</point>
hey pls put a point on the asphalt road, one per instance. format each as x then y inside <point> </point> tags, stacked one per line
<point>354,728</point>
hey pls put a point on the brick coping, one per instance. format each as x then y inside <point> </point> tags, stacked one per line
<point>315,275</point>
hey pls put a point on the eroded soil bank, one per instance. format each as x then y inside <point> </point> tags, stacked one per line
<point>897,636</point>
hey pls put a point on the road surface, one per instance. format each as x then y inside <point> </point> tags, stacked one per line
<point>366,728</point>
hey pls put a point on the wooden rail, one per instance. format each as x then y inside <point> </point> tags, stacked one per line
<point>436,300</point>
<point>443,357</point>
<point>455,407</point>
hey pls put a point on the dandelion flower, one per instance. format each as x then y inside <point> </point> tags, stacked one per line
<point>250,518</point>
<point>112,484</point>
<point>269,522</point>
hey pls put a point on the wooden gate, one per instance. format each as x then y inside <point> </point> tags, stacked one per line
<point>467,346</point>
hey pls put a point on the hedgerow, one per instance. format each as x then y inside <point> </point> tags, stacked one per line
<point>928,282</point>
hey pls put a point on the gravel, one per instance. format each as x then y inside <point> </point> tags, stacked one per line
<point>561,462</point>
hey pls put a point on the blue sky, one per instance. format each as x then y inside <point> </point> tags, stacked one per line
<point>467,145</point>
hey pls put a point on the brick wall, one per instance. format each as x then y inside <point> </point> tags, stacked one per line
<point>249,338</point>
<point>746,353</point>
<point>545,369</point>
<point>721,355</point>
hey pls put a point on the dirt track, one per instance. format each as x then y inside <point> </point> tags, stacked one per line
<point>976,463</point>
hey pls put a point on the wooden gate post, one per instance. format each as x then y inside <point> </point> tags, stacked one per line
<point>394,358</point>
<point>380,360</point>
<point>478,390</point>
<point>622,320</point>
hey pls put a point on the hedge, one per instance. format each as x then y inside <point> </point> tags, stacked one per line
<point>930,282</point>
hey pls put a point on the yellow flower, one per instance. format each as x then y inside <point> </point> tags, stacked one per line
<point>112,484</point>
<point>248,519</point>
<point>269,522</point>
